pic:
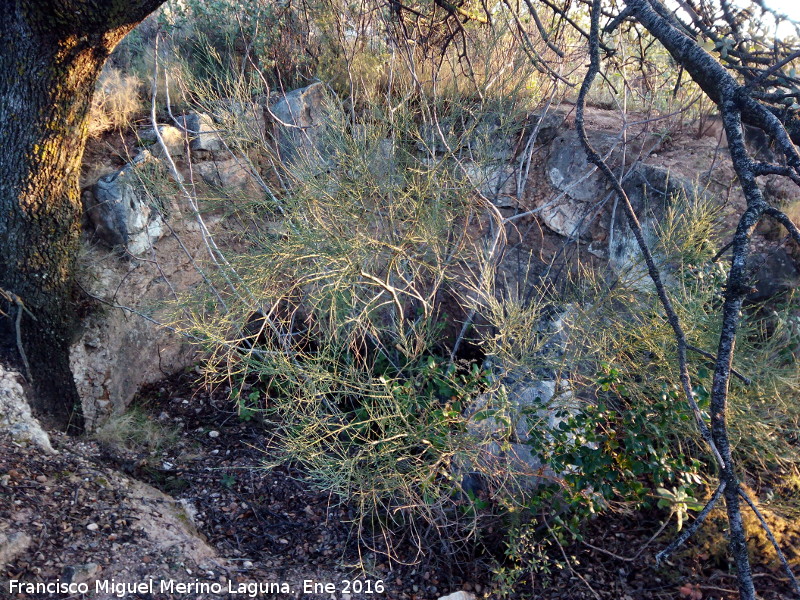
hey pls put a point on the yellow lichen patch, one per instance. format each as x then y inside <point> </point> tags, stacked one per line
<point>711,541</point>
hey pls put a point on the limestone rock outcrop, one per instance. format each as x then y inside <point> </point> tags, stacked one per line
<point>15,414</point>
<point>123,206</point>
<point>299,125</point>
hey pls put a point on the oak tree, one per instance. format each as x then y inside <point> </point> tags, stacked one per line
<point>51,55</point>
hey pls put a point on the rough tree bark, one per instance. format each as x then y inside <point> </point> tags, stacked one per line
<point>51,54</point>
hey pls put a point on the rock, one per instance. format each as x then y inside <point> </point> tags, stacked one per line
<point>13,545</point>
<point>167,525</point>
<point>781,190</point>
<point>496,175</point>
<point>80,573</point>
<point>15,414</point>
<point>174,139</point>
<point>586,195</point>
<point>497,180</point>
<point>148,136</point>
<point>246,120</point>
<point>759,144</point>
<point>775,272</point>
<point>124,213</point>
<point>299,126</point>
<point>554,328</point>
<point>230,176</point>
<point>530,405</point>
<point>118,351</point>
<point>583,186</point>
<point>570,172</point>
<point>549,123</point>
<point>651,191</point>
<point>483,150</point>
<point>523,404</point>
<point>204,134</point>
<point>458,596</point>
<point>441,138</point>
<point>487,136</point>
<point>134,352</point>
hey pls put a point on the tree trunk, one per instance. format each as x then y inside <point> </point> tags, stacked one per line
<point>51,54</point>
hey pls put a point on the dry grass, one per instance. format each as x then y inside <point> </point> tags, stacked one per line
<point>136,431</point>
<point>116,100</point>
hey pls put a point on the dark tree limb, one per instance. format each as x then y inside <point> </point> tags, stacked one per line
<point>692,529</point>
<point>781,218</point>
<point>773,169</point>
<point>736,106</point>
<point>710,75</point>
<point>734,103</point>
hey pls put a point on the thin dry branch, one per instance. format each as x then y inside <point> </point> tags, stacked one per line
<point>690,531</point>
<point>708,355</point>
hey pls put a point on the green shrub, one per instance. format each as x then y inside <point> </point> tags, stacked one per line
<point>219,41</point>
<point>350,345</point>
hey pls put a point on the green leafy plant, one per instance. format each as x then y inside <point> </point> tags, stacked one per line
<point>680,501</point>
<point>527,558</point>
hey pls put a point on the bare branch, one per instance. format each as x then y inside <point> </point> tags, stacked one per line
<point>633,220</point>
<point>708,355</point>
<point>781,218</point>
<point>640,550</point>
